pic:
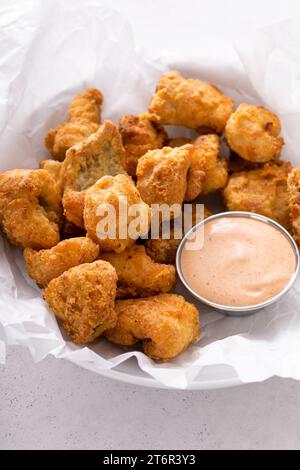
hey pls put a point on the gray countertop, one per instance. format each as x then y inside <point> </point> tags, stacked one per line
<point>56,405</point>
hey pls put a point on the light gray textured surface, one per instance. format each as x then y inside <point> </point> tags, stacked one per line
<point>56,405</point>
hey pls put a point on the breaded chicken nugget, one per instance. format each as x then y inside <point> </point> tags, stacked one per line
<point>139,135</point>
<point>169,176</point>
<point>162,175</point>
<point>205,154</point>
<point>55,169</point>
<point>83,298</point>
<point>253,133</point>
<point>138,275</point>
<point>100,154</point>
<point>30,208</point>
<point>166,324</point>
<point>164,250</point>
<point>263,191</point>
<point>83,120</point>
<point>190,103</point>
<point>294,202</point>
<point>120,194</point>
<point>45,265</point>
<point>205,157</point>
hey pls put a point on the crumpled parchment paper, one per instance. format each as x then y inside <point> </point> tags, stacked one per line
<point>51,50</point>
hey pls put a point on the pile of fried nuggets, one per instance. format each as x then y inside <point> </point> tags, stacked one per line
<point>120,288</point>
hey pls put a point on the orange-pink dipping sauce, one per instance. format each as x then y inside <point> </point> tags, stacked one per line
<point>242,262</point>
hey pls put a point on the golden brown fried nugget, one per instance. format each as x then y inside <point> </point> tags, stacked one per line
<point>55,169</point>
<point>114,192</point>
<point>83,298</point>
<point>138,275</point>
<point>166,324</point>
<point>169,176</point>
<point>30,208</point>
<point>83,120</point>
<point>294,202</point>
<point>139,135</point>
<point>189,103</point>
<point>100,154</point>
<point>253,133</point>
<point>45,265</point>
<point>164,250</point>
<point>263,191</point>
<point>205,154</point>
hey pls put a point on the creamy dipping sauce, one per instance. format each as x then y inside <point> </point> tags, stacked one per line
<point>242,262</point>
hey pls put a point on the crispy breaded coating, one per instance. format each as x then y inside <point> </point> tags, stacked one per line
<point>164,250</point>
<point>166,324</point>
<point>263,191</point>
<point>83,298</point>
<point>253,133</point>
<point>83,120</point>
<point>205,156</point>
<point>55,169</point>
<point>169,176</point>
<point>100,154</point>
<point>294,202</point>
<point>172,175</point>
<point>205,152</point>
<point>45,265</point>
<point>139,135</point>
<point>138,275</point>
<point>115,191</point>
<point>162,175</point>
<point>189,103</point>
<point>73,204</point>
<point>30,208</point>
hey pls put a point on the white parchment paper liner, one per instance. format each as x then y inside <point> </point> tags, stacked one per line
<point>51,50</point>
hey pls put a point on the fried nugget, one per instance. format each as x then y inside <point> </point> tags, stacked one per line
<point>139,135</point>
<point>111,230</point>
<point>55,169</point>
<point>169,176</point>
<point>163,250</point>
<point>205,154</point>
<point>30,208</point>
<point>100,154</point>
<point>138,275</point>
<point>83,120</point>
<point>189,103</point>
<point>205,159</point>
<point>83,298</point>
<point>166,324</point>
<point>294,202</point>
<point>45,265</point>
<point>263,191</point>
<point>253,133</point>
